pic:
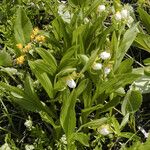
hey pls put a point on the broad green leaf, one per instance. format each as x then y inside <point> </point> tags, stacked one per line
<point>114,83</point>
<point>147,61</point>
<point>116,125</point>
<point>68,55</point>
<point>82,138</point>
<point>94,123</point>
<point>145,17</point>
<point>82,86</point>
<point>124,121</point>
<point>129,135</point>
<point>5,59</point>
<point>67,115</point>
<point>45,117</point>
<point>43,79</point>
<point>112,103</point>
<point>125,67</point>
<point>87,94</point>
<point>42,67</point>
<point>48,58</point>
<point>90,62</point>
<point>22,27</point>
<point>125,44</point>
<point>142,41</point>
<point>132,102</point>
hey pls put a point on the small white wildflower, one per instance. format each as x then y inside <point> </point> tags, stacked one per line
<point>63,139</point>
<point>29,147</point>
<point>97,66</point>
<point>118,16</point>
<point>101,8</point>
<point>5,147</point>
<point>64,13</point>
<point>104,129</point>
<point>107,70</point>
<point>86,20</point>
<point>104,55</point>
<point>28,124</point>
<point>124,13</point>
<point>71,83</point>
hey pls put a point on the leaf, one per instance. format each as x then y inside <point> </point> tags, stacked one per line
<point>5,59</point>
<point>112,103</point>
<point>145,17</point>
<point>48,58</point>
<point>125,66</point>
<point>42,67</point>
<point>82,86</point>
<point>67,115</point>
<point>124,121</point>
<point>82,138</point>
<point>147,61</point>
<point>90,62</point>
<point>68,55</point>
<point>22,27</point>
<point>132,102</point>
<point>43,79</point>
<point>94,123</point>
<point>143,84</point>
<point>142,41</point>
<point>115,125</point>
<point>114,83</point>
<point>45,117</point>
<point>125,44</point>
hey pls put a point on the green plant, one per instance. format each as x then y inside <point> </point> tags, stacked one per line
<point>75,75</point>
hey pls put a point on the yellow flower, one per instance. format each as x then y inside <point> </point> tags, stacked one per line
<point>27,48</point>
<point>20,60</point>
<point>40,38</point>
<point>32,37</point>
<point>35,31</point>
<point>19,46</point>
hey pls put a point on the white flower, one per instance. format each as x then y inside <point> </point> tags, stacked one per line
<point>101,8</point>
<point>104,131</point>
<point>5,147</point>
<point>104,55</point>
<point>29,147</point>
<point>124,13</point>
<point>63,139</point>
<point>71,83</point>
<point>97,66</point>
<point>28,124</point>
<point>86,20</point>
<point>65,14</point>
<point>107,70</point>
<point>118,16</point>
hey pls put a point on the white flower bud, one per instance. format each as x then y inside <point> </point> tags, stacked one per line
<point>5,147</point>
<point>29,147</point>
<point>124,14</point>
<point>101,8</point>
<point>104,129</point>
<point>104,55</point>
<point>28,124</point>
<point>63,139</point>
<point>118,16</point>
<point>71,83</point>
<point>97,66</point>
<point>107,70</point>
